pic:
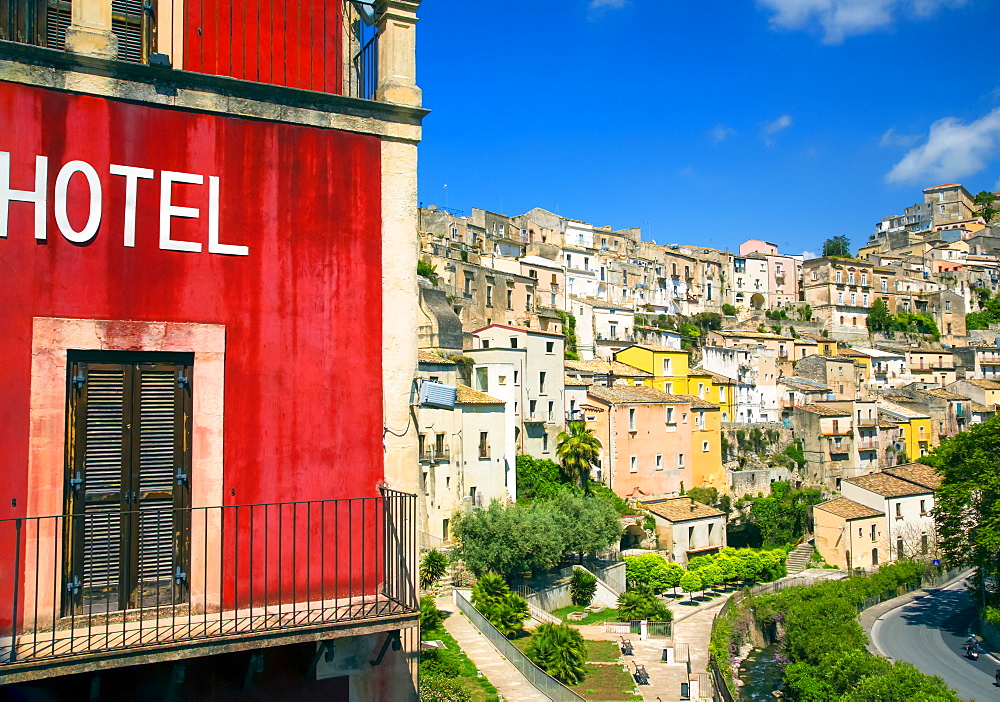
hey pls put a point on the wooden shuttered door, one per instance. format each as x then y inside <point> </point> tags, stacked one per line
<point>128,482</point>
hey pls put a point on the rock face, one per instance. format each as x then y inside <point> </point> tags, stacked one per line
<point>440,328</point>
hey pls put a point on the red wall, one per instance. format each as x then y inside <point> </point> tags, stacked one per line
<point>303,403</point>
<point>296,43</point>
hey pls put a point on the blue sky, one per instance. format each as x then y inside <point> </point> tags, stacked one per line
<point>712,121</point>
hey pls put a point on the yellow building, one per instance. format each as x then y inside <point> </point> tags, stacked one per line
<point>914,426</point>
<point>706,445</point>
<point>718,389</point>
<point>862,361</point>
<point>849,534</point>
<point>667,366</point>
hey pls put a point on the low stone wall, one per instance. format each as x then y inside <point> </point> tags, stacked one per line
<point>752,482</point>
<point>558,596</point>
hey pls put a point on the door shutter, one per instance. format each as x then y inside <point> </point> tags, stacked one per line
<point>98,483</point>
<point>160,471</point>
<point>130,23</point>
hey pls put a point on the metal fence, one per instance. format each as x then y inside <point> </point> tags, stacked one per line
<point>723,690</point>
<point>654,630</point>
<point>115,579</point>
<point>539,679</point>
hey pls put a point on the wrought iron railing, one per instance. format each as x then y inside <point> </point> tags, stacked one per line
<point>80,584</point>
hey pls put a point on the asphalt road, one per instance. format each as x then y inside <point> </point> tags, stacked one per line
<point>929,633</point>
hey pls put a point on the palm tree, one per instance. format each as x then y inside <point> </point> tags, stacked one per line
<point>578,450</point>
<point>558,649</point>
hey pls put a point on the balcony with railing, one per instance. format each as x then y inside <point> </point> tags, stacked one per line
<point>329,47</point>
<point>74,593</point>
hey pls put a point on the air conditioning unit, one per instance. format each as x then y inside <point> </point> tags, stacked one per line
<point>440,395</point>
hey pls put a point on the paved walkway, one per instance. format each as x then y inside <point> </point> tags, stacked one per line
<point>497,669</point>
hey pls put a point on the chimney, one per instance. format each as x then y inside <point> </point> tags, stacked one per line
<point>692,506</point>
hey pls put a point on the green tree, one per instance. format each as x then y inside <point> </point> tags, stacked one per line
<point>984,204</point>
<point>508,539</point>
<point>582,586</point>
<point>559,650</point>
<point>839,246</point>
<point>640,570</point>
<point>578,451</point>
<point>506,611</point>
<point>728,310</point>
<point>710,575</point>
<point>691,583</point>
<point>433,566</point>
<point>586,524</point>
<point>489,590</point>
<point>539,478</point>
<point>967,504</point>
<point>879,317</point>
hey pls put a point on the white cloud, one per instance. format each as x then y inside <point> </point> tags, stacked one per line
<point>771,129</point>
<point>894,138</point>
<point>952,151</point>
<point>607,4</point>
<point>839,19</point>
<point>720,132</point>
<point>808,255</point>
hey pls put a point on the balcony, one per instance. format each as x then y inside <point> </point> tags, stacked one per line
<point>225,578</point>
<point>304,55</point>
<point>867,445</point>
<point>435,455</point>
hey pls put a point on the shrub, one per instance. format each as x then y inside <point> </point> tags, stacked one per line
<point>582,587</point>
<point>435,687</point>
<point>432,567</point>
<point>642,604</point>
<point>558,649</point>
<point>430,616</point>
<point>506,611</point>
<point>728,310</point>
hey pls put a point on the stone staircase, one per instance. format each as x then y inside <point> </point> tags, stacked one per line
<point>798,560</point>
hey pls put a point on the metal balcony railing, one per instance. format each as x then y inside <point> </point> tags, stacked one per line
<point>98,582</point>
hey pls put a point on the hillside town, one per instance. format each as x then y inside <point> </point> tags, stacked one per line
<point>667,352</point>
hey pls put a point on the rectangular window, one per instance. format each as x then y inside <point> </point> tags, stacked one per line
<point>873,533</point>
<point>550,346</point>
<point>680,460</point>
<point>130,429</point>
<point>532,405</point>
<point>631,419</point>
<point>489,295</point>
<point>705,446</point>
<point>541,382</point>
<point>513,342</point>
<point>484,444</point>
<point>923,511</point>
<point>670,415</point>
<point>659,461</point>
<point>510,299</point>
<point>899,509</point>
<point>545,443</point>
<point>839,277</point>
<point>633,465</point>
<point>666,367</point>
<point>552,406</point>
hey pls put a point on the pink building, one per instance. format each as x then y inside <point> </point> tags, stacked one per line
<point>647,439</point>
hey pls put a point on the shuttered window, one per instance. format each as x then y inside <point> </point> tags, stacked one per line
<point>128,480</point>
<point>45,23</point>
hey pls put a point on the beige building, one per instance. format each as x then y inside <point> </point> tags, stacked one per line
<point>840,291</point>
<point>686,528</point>
<point>849,534</point>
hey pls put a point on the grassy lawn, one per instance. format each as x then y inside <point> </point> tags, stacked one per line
<point>479,687</point>
<point>606,682</point>
<point>591,618</point>
<point>603,651</point>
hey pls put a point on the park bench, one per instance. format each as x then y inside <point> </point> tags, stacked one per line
<point>626,645</point>
<point>641,676</point>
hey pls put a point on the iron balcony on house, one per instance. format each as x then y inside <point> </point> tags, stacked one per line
<point>229,576</point>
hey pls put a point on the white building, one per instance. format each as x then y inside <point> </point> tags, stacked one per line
<point>537,361</point>
<point>755,401</point>
<point>888,367</point>
<point>465,461</point>
<point>905,494</point>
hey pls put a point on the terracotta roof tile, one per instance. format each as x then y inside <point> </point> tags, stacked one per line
<point>916,473</point>
<point>887,485</point>
<point>680,509</point>
<point>604,367</point>
<point>824,411</point>
<point>944,394</point>
<point>467,396</point>
<point>425,356</point>
<point>849,509</point>
<point>984,383</point>
<point>636,394</point>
